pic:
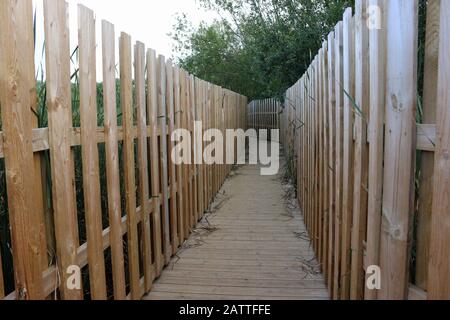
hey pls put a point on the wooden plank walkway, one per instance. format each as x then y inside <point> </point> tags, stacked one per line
<point>250,247</point>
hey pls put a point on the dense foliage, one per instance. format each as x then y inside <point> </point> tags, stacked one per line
<point>258,47</point>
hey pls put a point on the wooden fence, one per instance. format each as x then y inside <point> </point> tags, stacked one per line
<point>264,114</point>
<point>372,159</point>
<point>161,203</point>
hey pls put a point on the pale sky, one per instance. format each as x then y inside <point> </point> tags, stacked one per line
<point>148,21</point>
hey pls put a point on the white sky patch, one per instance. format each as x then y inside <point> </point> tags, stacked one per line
<point>149,21</point>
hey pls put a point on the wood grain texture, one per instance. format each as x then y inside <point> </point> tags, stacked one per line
<point>162,120</point>
<point>338,118</point>
<point>361,149</point>
<point>236,269</point>
<point>143,186</point>
<point>179,168</point>
<point>112,160</point>
<point>152,106</point>
<point>398,184</point>
<point>376,137</point>
<point>89,151</point>
<point>171,165</point>
<point>126,100</point>
<point>331,156</point>
<point>325,181</point>
<point>16,98</point>
<point>60,122</point>
<point>347,170</point>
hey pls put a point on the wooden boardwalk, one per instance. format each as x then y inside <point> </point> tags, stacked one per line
<point>251,247</point>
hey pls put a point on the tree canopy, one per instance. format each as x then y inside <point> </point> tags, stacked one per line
<point>257,47</point>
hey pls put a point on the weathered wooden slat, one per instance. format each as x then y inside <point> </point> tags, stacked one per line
<point>439,255</point>
<point>126,100</point>
<point>192,146</point>
<point>361,160</point>
<point>16,97</point>
<point>152,110</point>
<point>89,151</point>
<point>162,119</point>
<point>199,145</point>
<point>325,182</point>
<point>143,187</point>
<point>59,122</point>
<point>321,156</point>
<point>171,165</point>
<point>376,137</point>
<point>184,167</point>
<point>189,105</point>
<point>331,156</point>
<point>338,118</point>
<point>179,172</point>
<point>398,184</point>
<point>112,160</point>
<point>347,171</point>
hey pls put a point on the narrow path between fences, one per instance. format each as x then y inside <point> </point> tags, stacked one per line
<point>251,245</point>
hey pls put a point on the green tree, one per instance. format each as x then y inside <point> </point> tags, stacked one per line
<point>258,47</point>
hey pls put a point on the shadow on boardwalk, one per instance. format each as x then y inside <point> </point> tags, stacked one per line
<point>252,246</point>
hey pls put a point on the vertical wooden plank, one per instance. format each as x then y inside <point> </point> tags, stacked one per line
<point>184,167</point>
<point>347,170</point>
<point>143,187</point>
<point>126,100</point>
<point>16,96</point>
<point>339,150</point>
<point>325,182</point>
<point>60,124</point>
<point>425,194</point>
<point>439,267</point>
<point>319,109</point>
<point>209,117</point>
<point>398,189</point>
<point>315,153</point>
<point>171,164</point>
<point>152,110</point>
<point>331,156</point>
<point>362,97</point>
<point>203,167</point>
<point>376,137</point>
<point>199,146</point>
<point>189,166</point>
<point>193,165</point>
<point>179,171</point>
<point>42,208</point>
<point>162,116</point>
<point>112,160</point>
<point>89,152</point>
